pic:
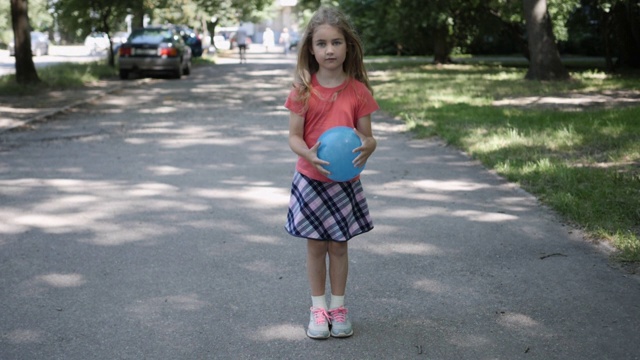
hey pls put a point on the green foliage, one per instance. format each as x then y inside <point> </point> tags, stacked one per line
<point>560,10</point>
<point>39,17</point>
<point>583,163</point>
<point>6,31</point>
<point>78,18</point>
<point>411,27</point>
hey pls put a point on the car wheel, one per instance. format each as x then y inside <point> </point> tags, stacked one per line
<point>124,74</point>
<point>178,72</point>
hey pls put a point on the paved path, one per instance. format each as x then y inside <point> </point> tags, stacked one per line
<point>148,225</point>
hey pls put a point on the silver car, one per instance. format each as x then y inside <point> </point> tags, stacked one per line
<point>154,50</point>
<point>39,44</point>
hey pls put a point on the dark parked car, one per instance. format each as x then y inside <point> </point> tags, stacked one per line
<point>39,44</point>
<point>158,49</point>
<point>192,39</point>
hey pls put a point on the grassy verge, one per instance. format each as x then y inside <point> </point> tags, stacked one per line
<point>71,76</point>
<point>584,163</point>
<point>59,77</point>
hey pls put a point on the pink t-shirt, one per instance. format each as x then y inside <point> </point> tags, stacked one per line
<point>329,107</point>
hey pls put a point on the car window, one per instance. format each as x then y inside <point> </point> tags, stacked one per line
<point>150,36</point>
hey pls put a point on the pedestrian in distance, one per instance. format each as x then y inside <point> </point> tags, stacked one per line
<point>241,41</point>
<point>285,40</point>
<point>330,88</point>
<point>268,39</point>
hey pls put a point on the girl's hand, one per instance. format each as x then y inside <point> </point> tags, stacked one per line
<point>367,148</point>
<point>313,158</point>
<point>299,146</point>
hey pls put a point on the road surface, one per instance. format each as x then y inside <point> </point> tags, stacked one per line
<point>149,225</point>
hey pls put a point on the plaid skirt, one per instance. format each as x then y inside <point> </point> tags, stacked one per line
<point>320,210</point>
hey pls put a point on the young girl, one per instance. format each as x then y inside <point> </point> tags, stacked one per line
<point>331,89</point>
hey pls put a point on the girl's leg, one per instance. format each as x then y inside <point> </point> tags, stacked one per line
<point>338,267</point>
<point>317,266</point>
<point>338,270</point>
<point>317,272</point>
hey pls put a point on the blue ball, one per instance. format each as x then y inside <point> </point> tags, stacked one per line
<point>336,147</point>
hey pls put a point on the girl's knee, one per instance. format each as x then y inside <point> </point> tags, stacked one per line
<point>317,248</point>
<point>338,248</point>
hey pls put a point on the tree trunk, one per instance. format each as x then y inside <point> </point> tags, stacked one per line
<point>138,14</point>
<point>605,21</point>
<point>627,35</point>
<point>545,63</point>
<point>441,47</point>
<point>25,68</point>
<point>106,15</point>
<point>211,28</point>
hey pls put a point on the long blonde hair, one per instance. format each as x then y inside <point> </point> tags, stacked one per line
<point>353,65</point>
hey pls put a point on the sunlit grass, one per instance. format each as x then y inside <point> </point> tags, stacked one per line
<point>72,76</point>
<point>584,163</point>
<point>59,77</point>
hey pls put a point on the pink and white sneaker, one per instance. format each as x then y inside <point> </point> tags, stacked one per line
<point>340,323</point>
<point>318,324</point>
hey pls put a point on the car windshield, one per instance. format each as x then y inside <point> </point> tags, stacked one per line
<point>150,36</point>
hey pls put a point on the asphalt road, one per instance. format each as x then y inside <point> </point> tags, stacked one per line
<point>149,225</point>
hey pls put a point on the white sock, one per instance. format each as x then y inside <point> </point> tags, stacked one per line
<point>336,301</point>
<point>319,302</point>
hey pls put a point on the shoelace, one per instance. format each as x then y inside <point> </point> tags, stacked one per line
<point>339,314</point>
<point>320,315</point>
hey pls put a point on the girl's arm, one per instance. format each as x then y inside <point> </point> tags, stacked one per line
<point>299,146</point>
<point>369,143</point>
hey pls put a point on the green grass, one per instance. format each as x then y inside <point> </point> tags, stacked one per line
<point>584,163</point>
<point>59,77</point>
<point>71,76</point>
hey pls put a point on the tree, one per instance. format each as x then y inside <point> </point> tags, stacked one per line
<point>403,27</point>
<point>80,17</point>
<point>87,16</point>
<point>544,63</point>
<point>414,27</point>
<point>25,68</point>
<point>621,32</point>
<point>234,11</point>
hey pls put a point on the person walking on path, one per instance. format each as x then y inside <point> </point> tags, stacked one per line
<point>268,39</point>
<point>331,88</point>
<point>241,40</point>
<point>285,40</point>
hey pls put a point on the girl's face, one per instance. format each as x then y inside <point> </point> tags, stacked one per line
<point>329,47</point>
